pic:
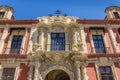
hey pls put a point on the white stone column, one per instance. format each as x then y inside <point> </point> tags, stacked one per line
<point>36,71</point>
<point>74,38</point>
<point>42,38</point>
<point>83,72</point>
<point>30,73</point>
<point>33,35</point>
<point>1,69</point>
<point>4,35</point>
<point>78,71</point>
<point>83,38</point>
<point>112,37</point>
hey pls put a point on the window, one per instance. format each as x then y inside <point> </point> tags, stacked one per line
<point>117,16</point>
<point>106,73</point>
<point>98,43</point>
<point>16,44</point>
<point>57,41</point>
<point>1,14</point>
<point>8,74</point>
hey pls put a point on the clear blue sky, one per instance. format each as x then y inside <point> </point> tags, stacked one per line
<point>84,9</point>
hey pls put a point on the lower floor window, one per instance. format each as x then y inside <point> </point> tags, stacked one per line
<point>106,73</point>
<point>8,74</point>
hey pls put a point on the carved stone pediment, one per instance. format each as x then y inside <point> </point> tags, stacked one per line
<point>57,56</point>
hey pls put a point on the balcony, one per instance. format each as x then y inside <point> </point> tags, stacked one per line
<point>101,50</point>
<point>57,52</point>
<point>13,51</point>
<point>58,47</point>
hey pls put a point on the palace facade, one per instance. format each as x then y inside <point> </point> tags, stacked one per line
<point>60,47</point>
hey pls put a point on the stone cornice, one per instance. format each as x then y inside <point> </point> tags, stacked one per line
<point>18,22</point>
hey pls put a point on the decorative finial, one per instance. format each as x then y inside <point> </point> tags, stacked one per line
<point>57,12</point>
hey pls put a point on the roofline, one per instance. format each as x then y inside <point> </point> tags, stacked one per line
<point>27,22</point>
<point>18,22</point>
<point>115,21</point>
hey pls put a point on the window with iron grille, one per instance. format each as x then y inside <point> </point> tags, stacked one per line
<point>98,43</point>
<point>16,44</point>
<point>57,41</point>
<point>2,15</point>
<point>106,73</point>
<point>8,74</point>
<point>117,16</point>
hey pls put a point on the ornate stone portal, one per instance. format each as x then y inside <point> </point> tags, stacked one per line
<point>46,64</point>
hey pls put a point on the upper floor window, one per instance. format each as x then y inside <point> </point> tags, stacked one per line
<point>106,73</point>
<point>57,41</point>
<point>117,16</point>
<point>8,74</point>
<point>2,15</point>
<point>16,44</point>
<point>98,43</point>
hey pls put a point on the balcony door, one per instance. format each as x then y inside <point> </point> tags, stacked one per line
<point>57,41</point>
<point>16,44</point>
<point>98,44</point>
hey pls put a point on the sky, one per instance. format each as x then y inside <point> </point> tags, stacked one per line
<point>83,9</point>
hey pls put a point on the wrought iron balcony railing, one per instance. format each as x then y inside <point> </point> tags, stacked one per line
<point>101,50</point>
<point>13,51</point>
<point>58,47</point>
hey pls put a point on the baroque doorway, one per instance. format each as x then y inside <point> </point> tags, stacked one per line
<point>57,75</point>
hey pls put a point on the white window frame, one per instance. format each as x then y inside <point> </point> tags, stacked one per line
<point>10,65</point>
<point>97,65</point>
<point>13,33</point>
<point>56,29</point>
<point>100,32</point>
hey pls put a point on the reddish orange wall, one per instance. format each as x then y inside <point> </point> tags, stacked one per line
<point>23,72</point>
<point>26,40</point>
<point>91,72</point>
<point>87,39</point>
<point>117,70</point>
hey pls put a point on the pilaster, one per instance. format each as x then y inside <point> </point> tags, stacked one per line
<point>83,71</point>
<point>83,38</point>
<point>41,37</point>
<point>78,71</point>
<point>30,73</point>
<point>112,37</point>
<point>36,71</point>
<point>2,41</point>
<point>33,35</point>
<point>1,71</point>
